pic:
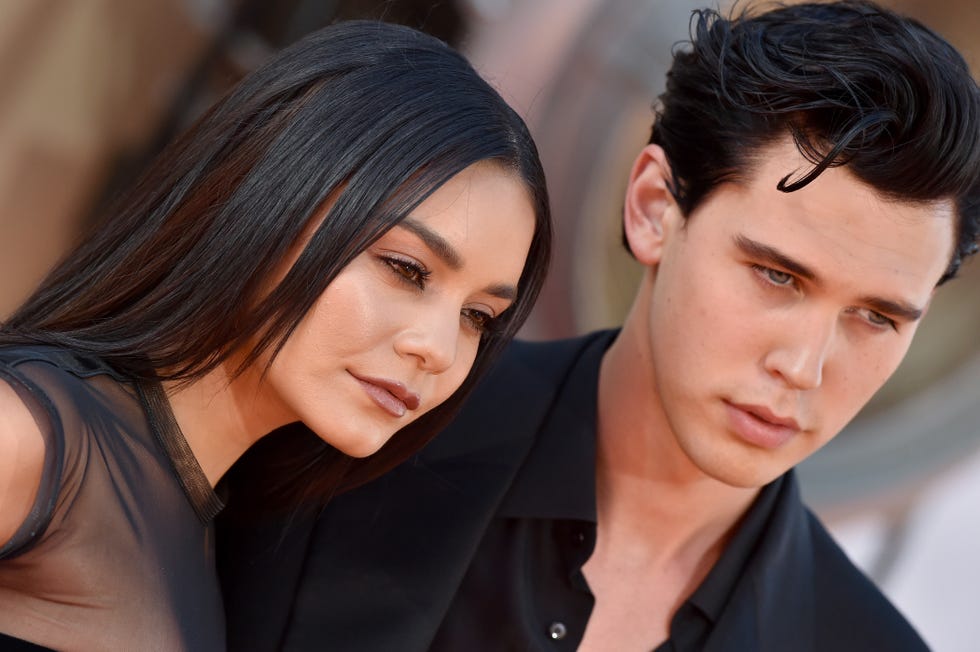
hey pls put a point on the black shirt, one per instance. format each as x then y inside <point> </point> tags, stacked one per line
<point>477,544</point>
<point>545,531</point>
<point>117,552</point>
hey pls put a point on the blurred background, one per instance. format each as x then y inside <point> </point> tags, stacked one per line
<point>90,91</point>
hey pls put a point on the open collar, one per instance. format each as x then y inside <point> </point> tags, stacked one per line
<point>759,595</point>
<point>772,605</point>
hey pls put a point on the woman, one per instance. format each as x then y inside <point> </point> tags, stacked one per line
<point>345,240</point>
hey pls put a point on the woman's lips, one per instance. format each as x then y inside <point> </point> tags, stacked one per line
<point>758,425</point>
<point>390,395</point>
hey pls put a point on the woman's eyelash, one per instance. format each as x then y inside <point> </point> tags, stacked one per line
<point>409,271</point>
<point>481,321</point>
<point>412,272</point>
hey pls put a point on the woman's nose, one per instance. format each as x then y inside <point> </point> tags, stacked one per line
<point>432,338</point>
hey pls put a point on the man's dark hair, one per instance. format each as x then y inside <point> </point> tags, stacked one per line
<point>177,276</point>
<point>854,84</point>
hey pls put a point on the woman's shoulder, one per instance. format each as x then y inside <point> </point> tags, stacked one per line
<point>49,410</point>
<point>55,378</point>
<point>76,363</point>
<point>22,457</point>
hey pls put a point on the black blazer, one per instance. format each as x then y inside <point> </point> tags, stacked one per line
<point>391,554</point>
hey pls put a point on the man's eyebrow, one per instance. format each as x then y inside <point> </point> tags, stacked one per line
<point>899,309</point>
<point>767,254</point>
<point>773,256</point>
<point>438,244</point>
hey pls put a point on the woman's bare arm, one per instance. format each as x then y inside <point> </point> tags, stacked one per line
<point>21,461</point>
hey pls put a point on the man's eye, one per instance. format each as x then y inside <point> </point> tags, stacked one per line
<point>774,276</point>
<point>878,319</point>
<point>408,270</point>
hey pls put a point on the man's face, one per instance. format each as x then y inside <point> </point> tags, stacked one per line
<point>774,317</point>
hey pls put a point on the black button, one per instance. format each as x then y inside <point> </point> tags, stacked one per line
<point>578,538</point>
<point>557,631</point>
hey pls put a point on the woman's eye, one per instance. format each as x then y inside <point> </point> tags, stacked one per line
<point>774,276</point>
<point>480,321</point>
<point>408,270</point>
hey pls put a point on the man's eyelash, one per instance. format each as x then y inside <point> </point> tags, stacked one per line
<point>767,272</point>
<point>887,322</point>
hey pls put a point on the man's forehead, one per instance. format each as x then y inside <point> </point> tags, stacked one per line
<point>839,223</point>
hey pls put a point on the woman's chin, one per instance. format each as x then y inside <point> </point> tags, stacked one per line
<point>359,447</point>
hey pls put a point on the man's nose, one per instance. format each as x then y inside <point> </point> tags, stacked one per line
<point>800,353</point>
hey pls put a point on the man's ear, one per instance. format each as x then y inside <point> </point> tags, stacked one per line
<point>648,200</point>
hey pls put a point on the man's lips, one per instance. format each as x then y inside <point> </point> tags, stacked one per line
<point>766,414</point>
<point>391,395</point>
<point>760,426</point>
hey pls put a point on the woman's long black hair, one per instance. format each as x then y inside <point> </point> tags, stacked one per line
<point>176,277</point>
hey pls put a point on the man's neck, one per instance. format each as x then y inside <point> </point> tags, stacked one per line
<point>662,522</point>
<point>645,481</point>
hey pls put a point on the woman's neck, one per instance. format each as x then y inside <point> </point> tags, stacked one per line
<point>221,416</point>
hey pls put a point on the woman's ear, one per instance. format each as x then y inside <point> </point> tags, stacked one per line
<point>648,202</point>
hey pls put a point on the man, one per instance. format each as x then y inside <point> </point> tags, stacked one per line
<point>813,175</point>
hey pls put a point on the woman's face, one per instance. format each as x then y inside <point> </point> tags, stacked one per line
<point>395,334</point>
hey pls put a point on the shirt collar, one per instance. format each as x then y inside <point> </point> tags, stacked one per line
<point>771,605</point>
<point>713,593</point>
<point>764,569</point>
<point>557,479</point>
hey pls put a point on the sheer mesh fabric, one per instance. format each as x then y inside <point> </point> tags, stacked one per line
<point>118,551</point>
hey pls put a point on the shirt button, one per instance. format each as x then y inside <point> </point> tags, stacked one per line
<point>578,538</point>
<point>557,631</point>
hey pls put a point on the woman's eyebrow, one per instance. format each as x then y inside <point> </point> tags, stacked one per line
<point>438,244</point>
<point>502,291</point>
<point>448,254</point>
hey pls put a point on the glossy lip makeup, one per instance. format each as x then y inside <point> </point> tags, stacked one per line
<point>390,395</point>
